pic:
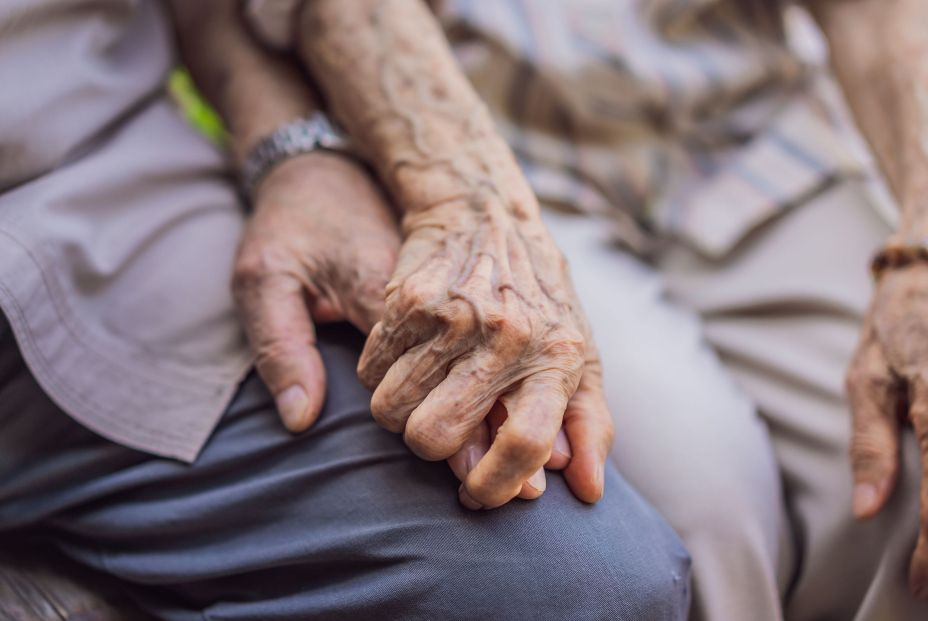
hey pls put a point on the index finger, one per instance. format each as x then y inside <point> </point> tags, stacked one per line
<point>524,442</point>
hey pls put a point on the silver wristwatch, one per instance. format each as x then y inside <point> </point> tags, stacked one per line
<point>301,136</point>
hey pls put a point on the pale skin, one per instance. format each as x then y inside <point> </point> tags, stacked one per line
<point>880,55</point>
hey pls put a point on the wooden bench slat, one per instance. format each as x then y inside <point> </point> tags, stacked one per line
<point>37,584</point>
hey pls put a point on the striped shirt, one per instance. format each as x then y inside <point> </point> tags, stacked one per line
<point>692,119</point>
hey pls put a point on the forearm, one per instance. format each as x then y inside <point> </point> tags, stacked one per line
<point>254,90</point>
<point>387,71</point>
<point>879,51</point>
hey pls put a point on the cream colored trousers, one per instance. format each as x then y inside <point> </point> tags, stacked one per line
<point>726,382</point>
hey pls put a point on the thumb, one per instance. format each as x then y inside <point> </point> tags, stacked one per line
<point>589,428</point>
<point>283,337</point>
<point>873,393</point>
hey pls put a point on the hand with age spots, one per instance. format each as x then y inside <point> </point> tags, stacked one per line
<point>483,351</point>
<point>888,386</point>
<point>303,260</point>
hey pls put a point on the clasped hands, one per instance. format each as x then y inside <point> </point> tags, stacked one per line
<point>478,351</point>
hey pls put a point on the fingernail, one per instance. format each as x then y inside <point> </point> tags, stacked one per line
<point>601,479</point>
<point>864,499</point>
<point>562,446</point>
<point>467,501</point>
<point>291,403</point>
<point>538,481</point>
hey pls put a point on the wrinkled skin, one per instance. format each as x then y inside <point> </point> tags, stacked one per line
<point>302,261</point>
<point>888,386</point>
<point>304,258</point>
<point>480,310</point>
<point>481,322</point>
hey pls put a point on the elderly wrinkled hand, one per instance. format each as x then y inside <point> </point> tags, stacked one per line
<point>321,245</point>
<point>480,315</point>
<point>303,260</point>
<point>888,386</point>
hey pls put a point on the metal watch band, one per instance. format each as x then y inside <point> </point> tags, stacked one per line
<point>297,137</point>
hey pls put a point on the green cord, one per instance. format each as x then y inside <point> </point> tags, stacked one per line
<point>195,108</point>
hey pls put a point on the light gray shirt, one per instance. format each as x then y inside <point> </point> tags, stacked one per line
<point>118,226</point>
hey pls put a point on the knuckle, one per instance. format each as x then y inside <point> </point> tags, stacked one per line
<point>862,380</point>
<point>367,375</point>
<point>564,379</point>
<point>365,370</point>
<point>855,378</point>
<point>416,294</point>
<point>480,491</point>
<point>265,361</point>
<point>271,351</point>
<point>516,330</point>
<point>567,381</point>
<point>868,452</point>
<point>492,494</point>
<point>569,346</point>
<point>250,269</point>
<point>426,442</point>
<point>511,333</point>
<point>529,446</point>
<point>458,320</point>
<point>391,289</point>
<point>384,412</point>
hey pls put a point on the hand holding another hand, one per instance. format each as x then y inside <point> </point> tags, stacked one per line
<point>322,245</point>
<point>480,316</point>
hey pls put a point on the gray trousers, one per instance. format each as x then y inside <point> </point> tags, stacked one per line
<point>341,522</point>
